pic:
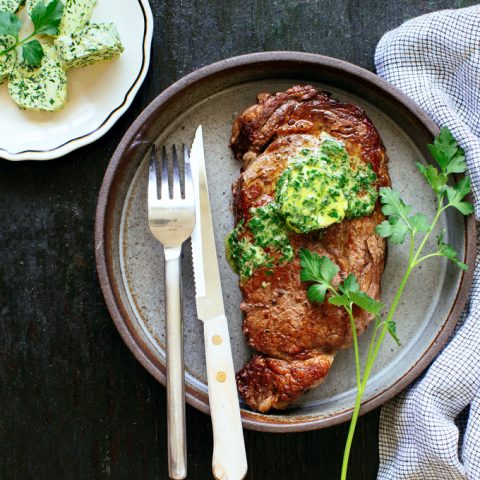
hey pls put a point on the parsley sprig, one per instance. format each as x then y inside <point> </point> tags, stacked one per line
<point>322,271</point>
<point>46,16</point>
<point>399,225</point>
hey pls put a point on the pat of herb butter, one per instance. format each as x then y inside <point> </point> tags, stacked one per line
<point>76,14</point>
<point>95,43</point>
<point>10,5</point>
<point>322,187</point>
<point>8,60</point>
<point>40,89</point>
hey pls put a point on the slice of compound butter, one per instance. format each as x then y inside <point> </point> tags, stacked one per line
<point>8,60</point>
<point>95,43</point>
<point>41,89</point>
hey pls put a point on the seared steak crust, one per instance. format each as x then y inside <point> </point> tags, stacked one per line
<point>297,338</point>
<point>269,382</point>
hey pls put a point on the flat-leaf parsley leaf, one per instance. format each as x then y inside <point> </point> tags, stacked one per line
<point>10,24</point>
<point>32,53</point>
<point>457,193</point>
<point>46,16</point>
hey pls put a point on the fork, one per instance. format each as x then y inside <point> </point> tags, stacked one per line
<point>171,220</point>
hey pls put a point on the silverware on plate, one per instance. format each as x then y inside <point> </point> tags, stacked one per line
<point>229,457</point>
<point>171,220</point>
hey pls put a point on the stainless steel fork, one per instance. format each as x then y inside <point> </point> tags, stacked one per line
<point>171,220</point>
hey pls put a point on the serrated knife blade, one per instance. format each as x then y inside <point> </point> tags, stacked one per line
<point>229,456</point>
<point>208,287</point>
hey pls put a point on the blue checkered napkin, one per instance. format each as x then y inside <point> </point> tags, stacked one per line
<point>432,430</point>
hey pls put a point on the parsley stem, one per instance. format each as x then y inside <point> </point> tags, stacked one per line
<point>411,265</point>
<point>425,257</point>
<point>374,338</point>
<point>26,39</point>
<point>374,348</point>
<point>18,43</point>
<point>4,52</point>
<point>376,343</point>
<point>393,308</point>
<point>412,248</point>
<point>355,344</point>
<point>351,433</point>
<point>432,226</point>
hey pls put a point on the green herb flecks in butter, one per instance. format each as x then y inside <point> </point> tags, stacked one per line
<point>10,5</point>
<point>76,15</point>
<point>361,194</point>
<point>8,60</point>
<point>323,187</point>
<point>95,43</point>
<point>261,242</point>
<point>40,89</point>
<point>310,196</point>
<point>269,231</point>
<point>244,256</point>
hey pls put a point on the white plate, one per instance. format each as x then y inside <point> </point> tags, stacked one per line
<point>97,97</point>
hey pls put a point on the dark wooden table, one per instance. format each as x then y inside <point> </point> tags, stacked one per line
<point>74,403</point>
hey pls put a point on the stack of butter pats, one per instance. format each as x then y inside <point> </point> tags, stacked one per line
<point>62,38</point>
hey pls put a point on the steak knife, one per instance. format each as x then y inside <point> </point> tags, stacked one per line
<point>229,457</point>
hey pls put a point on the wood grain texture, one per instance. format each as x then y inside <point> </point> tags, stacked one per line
<point>74,402</point>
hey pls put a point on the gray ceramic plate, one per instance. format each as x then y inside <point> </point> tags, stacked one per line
<point>130,261</point>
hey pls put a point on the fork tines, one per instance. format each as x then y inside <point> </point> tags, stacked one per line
<point>169,190</point>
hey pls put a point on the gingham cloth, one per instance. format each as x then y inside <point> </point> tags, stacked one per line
<point>432,430</point>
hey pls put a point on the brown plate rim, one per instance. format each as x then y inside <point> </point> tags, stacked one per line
<point>103,221</point>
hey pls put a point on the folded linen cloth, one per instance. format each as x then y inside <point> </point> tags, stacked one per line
<point>432,430</point>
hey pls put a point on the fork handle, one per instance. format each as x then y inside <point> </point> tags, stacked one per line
<point>229,456</point>
<point>177,444</point>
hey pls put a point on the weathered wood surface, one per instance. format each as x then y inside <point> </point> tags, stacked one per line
<point>74,402</point>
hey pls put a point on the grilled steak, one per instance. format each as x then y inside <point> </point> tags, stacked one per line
<point>297,339</point>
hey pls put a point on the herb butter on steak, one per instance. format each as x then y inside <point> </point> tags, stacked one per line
<point>312,168</point>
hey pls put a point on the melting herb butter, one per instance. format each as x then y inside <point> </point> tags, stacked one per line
<point>261,242</point>
<point>268,229</point>
<point>323,187</point>
<point>317,189</point>
<point>243,255</point>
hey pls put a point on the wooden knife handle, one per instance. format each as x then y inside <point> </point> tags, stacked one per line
<point>229,456</point>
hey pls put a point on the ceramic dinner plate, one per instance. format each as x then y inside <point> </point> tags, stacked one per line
<point>98,95</point>
<point>130,263</point>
